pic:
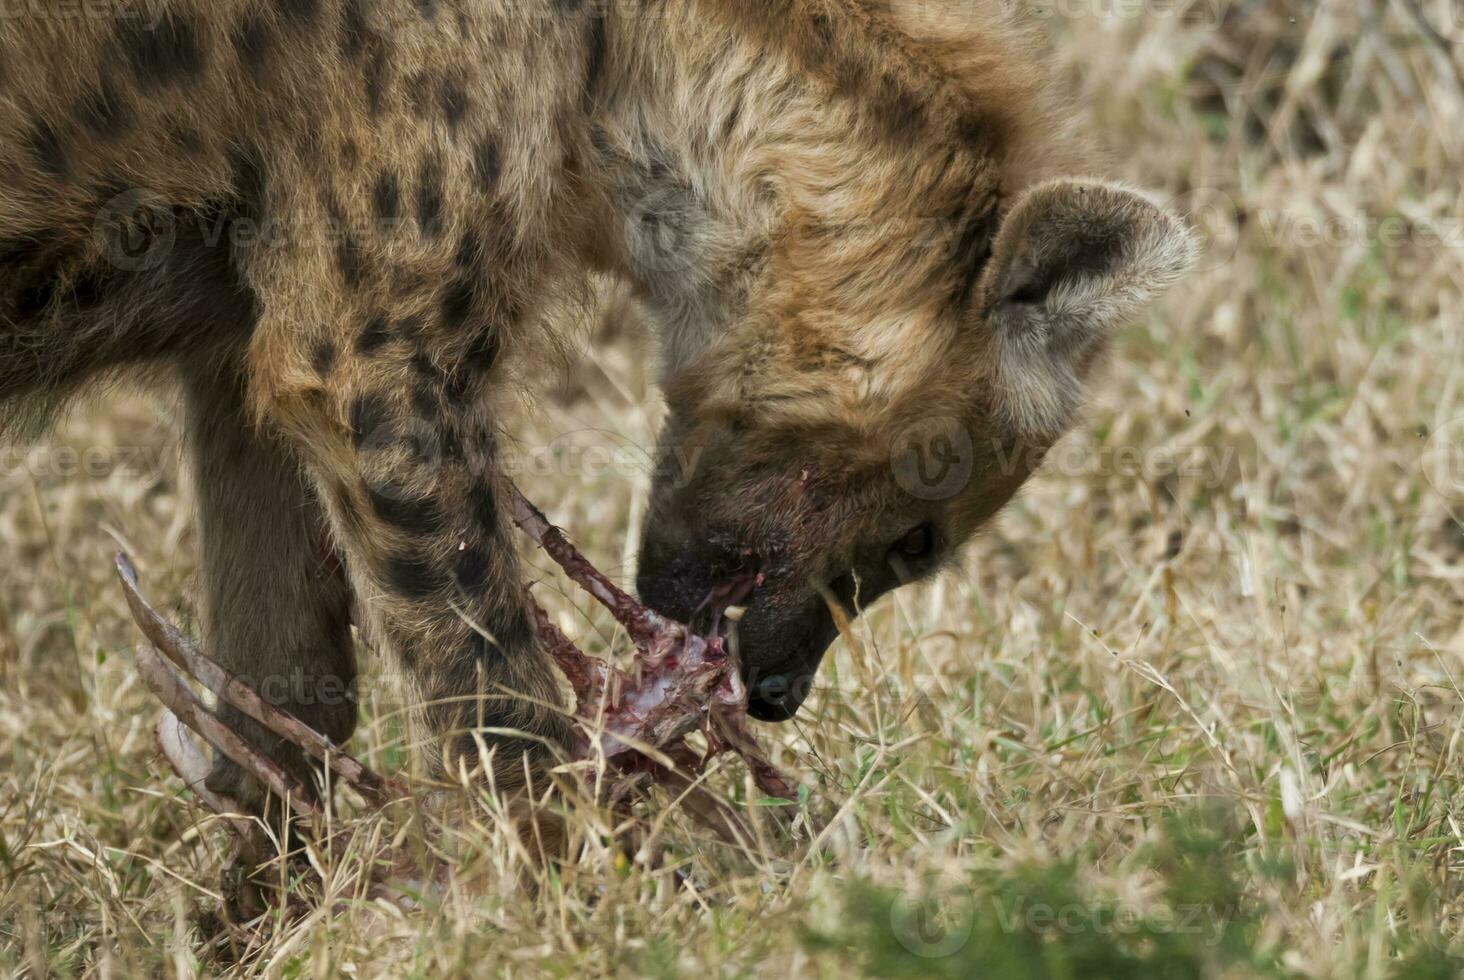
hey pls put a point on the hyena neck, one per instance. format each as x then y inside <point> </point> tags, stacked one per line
<point>730,139</point>
<point>679,219</point>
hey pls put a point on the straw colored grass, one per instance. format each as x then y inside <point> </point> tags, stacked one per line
<point>1191,707</point>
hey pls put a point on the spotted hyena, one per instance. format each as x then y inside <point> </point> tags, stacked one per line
<point>880,273</point>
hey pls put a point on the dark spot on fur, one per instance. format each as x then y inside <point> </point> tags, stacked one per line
<point>816,46</point>
<point>978,128</point>
<point>247,172</point>
<point>162,54</point>
<point>458,385</point>
<point>419,93</point>
<point>600,140</point>
<point>469,252</point>
<point>849,70</point>
<point>432,444</point>
<point>411,328</point>
<point>429,199</point>
<point>305,13</point>
<point>374,336</point>
<point>452,447</point>
<point>729,124</point>
<point>457,303</point>
<point>104,112</point>
<point>419,516</point>
<point>46,149</point>
<point>33,265</point>
<point>248,177</point>
<point>254,42</point>
<point>422,364</point>
<point>476,649</point>
<point>412,576</point>
<point>33,300</point>
<point>462,384</point>
<point>15,252</point>
<point>350,153</point>
<point>823,28</point>
<point>470,569</point>
<point>483,352</point>
<point>376,78</point>
<point>427,8</point>
<point>371,421</point>
<point>487,166</point>
<point>322,357</point>
<point>31,254</point>
<point>353,28</point>
<point>90,288</point>
<point>901,111</point>
<point>484,505</point>
<point>595,46</point>
<point>975,223</point>
<point>350,260</point>
<point>386,198</point>
<point>454,100</point>
<point>425,401</point>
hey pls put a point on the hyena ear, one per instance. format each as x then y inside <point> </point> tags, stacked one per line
<point>1072,261</point>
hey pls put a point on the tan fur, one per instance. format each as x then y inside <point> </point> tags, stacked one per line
<point>365,208</point>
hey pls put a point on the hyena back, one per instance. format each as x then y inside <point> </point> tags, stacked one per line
<point>340,221</point>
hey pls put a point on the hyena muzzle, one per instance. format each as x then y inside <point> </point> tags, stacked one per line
<point>879,275</point>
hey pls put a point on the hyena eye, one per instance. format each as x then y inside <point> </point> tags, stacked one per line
<point>918,544</point>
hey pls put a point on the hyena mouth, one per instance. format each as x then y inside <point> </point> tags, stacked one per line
<point>722,603</point>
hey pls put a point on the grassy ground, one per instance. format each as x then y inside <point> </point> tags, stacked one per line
<point>1190,709</point>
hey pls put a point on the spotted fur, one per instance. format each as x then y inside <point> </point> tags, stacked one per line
<point>342,221</point>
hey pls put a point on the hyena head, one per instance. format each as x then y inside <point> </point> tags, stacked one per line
<point>834,453</point>
<point>879,303</point>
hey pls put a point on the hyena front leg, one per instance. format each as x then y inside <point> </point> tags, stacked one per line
<point>275,612</point>
<point>403,455</point>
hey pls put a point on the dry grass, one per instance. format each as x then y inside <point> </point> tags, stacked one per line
<point>1199,718</point>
